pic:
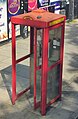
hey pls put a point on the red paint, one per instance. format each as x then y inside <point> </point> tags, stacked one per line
<point>38,19</point>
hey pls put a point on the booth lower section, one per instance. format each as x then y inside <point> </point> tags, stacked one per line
<point>52,83</point>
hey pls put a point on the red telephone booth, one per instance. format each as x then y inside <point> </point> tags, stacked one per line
<point>46,56</point>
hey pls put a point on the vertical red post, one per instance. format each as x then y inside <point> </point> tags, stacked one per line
<point>44,70</point>
<point>61,57</point>
<point>31,39</point>
<point>31,46</point>
<point>13,65</point>
<point>35,61</point>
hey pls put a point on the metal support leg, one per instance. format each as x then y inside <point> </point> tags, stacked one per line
<point>61,57</point>
<point>35,57</point>
<point>44,71</point>
<point>13,65</point>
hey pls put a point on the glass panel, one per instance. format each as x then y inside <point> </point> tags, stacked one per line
<point>23,75</point>
<point>53,83</point>
<point>54,46</point>
<point>32,74</point>
<point>38,85</point>
<point>39,47</point>
<point>38,63</point>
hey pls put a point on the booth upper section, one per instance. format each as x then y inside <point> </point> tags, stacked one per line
<point>38,18</point>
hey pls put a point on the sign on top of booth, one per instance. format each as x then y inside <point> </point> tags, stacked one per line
<point>38,18</point>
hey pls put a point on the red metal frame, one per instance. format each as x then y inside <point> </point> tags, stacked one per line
<point>14,62</point>
<point>44,70</point>
<point>13,65</point>
<point>46,22</point>
<point>61,57</point>
<point>35,66</point>
<point>60,61</point>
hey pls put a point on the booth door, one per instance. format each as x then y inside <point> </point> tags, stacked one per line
<point>54,64</point>
<point>54,71</point>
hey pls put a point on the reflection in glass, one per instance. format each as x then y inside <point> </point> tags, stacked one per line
<point>54,46</point>
<point>38,85</point>
<point>38,63</point>
<point>53,83</point>
<point>39,47</point>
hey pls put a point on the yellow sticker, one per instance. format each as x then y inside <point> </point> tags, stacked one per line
<point>56,21</point>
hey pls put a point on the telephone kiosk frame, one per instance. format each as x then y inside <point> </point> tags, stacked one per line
<point>46,81</point>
